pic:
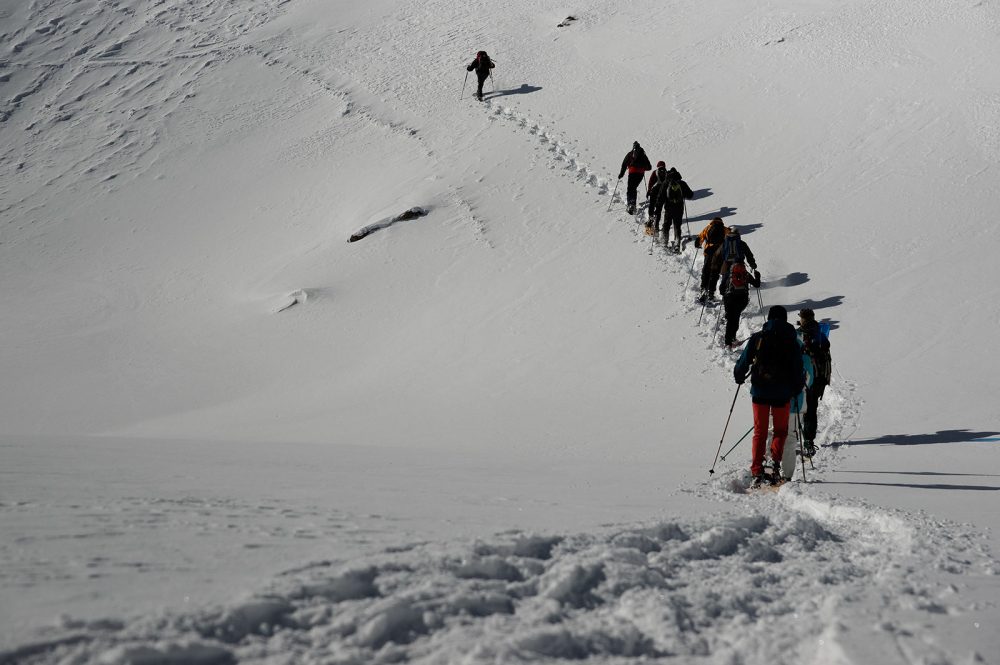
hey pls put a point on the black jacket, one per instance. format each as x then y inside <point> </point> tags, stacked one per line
<point>482,65</point>
<point>658,191</point>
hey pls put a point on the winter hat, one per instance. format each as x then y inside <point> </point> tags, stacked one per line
<point>635,145</point>
<point>661,163</point>
<point>807,315</point>
<point>777,313</point>
<point>733,231</point>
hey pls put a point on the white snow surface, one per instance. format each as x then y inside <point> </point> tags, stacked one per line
<point>483,435</point>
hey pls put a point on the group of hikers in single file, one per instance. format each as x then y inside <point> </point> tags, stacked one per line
<point>789,368</point>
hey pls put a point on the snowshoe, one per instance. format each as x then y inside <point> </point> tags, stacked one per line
<point>760,480</point>
<point>630,208</point>
<point>808,449</point>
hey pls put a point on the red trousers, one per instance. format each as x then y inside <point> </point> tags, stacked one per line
<point>762,413</point>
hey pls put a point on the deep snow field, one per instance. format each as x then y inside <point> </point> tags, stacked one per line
<point>483,435</point>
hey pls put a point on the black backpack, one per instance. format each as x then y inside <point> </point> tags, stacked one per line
<point>675,191</point>
<point>773,359</point>
<point>818,347</point>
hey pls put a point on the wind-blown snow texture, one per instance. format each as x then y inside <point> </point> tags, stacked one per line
<point>483,435</point>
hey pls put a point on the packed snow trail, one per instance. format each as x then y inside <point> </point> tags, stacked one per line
<point>789,578</point>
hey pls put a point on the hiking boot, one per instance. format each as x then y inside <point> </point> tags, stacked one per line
<point>776,478</point>
<point>758,480</point>
<point>703,298</point>
<point>630,208</point>
<point>808,449</point>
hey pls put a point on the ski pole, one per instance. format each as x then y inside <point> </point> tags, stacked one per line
<point>694,257</point>
<point>738,386</point>
<point>723,458</point>
<point>611,202</point>
<point>463,85</point>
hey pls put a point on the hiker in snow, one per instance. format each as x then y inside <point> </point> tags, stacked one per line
<point>482,64</point>
<point>656,196</point>
<point>733,251</point>
<point>773,361</point>
<point>736,297</point>
<point>667,191</point>
<point>710,240</point>
<point>636,163</point>
<point>817,347</point>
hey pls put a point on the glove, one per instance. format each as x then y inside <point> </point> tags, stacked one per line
<point>469,68</point>
<point>621,175</point>
<point>740,379</point>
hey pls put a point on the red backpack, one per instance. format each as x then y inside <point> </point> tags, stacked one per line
<point>739,278</point>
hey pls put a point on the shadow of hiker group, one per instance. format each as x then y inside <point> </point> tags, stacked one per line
<point>791,280</point>
<point>945,436</point>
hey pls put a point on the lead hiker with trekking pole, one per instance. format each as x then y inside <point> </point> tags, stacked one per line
<point>482,65</point>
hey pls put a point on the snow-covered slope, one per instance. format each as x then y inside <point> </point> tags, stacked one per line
<point>176,174</point>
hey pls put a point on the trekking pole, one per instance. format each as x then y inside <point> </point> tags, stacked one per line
<point>703,306</point>
<point>723,458</point>
<point>694,257</point>
<point>718,319</point>
<point>463,85</point>
<point>611,202</point>
<point>493,83</point>
<point>686,220</point>
<point>738,386</point>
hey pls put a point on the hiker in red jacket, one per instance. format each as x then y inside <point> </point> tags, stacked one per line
<point>636,163</point>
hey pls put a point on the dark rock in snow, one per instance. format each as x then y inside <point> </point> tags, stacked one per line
<point>412,213</point>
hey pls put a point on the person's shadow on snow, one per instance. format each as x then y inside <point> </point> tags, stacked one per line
<point>747,229</point>
<point>941,436</point>
<point>724,211</point>
<point>792,279</point>
<point>523,90</point>
<point>825,303</point>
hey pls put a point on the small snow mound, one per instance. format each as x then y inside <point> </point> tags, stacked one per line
<point>528,547</point>
<point>574,584</point>
<point>399,622</point>
<point>290,300</point>
<point>489,568</point>
<point>255,617</point>
<point>352,585</point>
